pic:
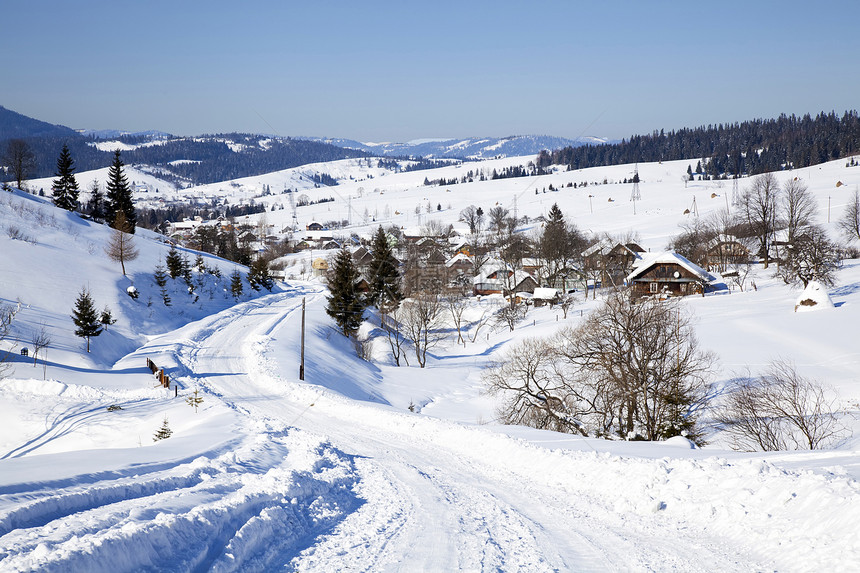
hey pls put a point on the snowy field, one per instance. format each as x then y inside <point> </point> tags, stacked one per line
<point>336,473</point>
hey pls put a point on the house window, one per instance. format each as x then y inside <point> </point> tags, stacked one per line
<point>653,287</point>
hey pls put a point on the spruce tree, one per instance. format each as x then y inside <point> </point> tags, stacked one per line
<point>555,242</point>
<point>174,263</point>
<point>345,305</point>
<point>86,318</point>
<point>236,287</point>
<point>258,275</point>
<point>65,187</point>
<point>96,205</point>
<point>160,276</point>
<point>119,196</point>
<point>163,432</point>
<point>384,276</point>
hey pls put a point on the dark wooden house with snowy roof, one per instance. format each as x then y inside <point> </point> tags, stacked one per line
<point>668,274</point>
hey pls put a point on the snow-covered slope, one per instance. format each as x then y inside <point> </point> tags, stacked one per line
<point>336,472</point>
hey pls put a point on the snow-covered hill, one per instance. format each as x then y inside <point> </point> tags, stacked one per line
<point>336,472</point>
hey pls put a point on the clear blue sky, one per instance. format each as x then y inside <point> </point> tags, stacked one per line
<point>399,70</point>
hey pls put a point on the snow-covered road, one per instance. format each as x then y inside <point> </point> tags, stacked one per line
<point>311,480</point>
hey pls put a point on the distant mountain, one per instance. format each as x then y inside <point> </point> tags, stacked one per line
<point>471,148</point>
<point>14,125</point>
<point>117,133</point>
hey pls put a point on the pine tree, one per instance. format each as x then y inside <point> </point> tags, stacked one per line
<point>119,196</point>
<point>96,204</point>
<point>163,432</point>
<point>86,317</point>
<point>258,275</point>
<point>160,276</point>
<point>174,263</point>
<point>236,287</point>
<point>345,305</point>
<point>384,276</point>
<point>106,318</point>
<point>65,187</point>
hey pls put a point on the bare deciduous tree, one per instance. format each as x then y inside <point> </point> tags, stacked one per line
<point>780,410</point>
<point>849,223</point>
<point>510,315</point>
<point>758,205</point>
<point>473,217</point>
<point>740,273</point>
<point>457,305</point>
<point>533,393</point>
<point>812,256</point>
<point>120,246</point>
<point>20,160</point>
<point>477,324</point>
<point>420,321</point>
<point>7,315</point>
<point>798,207</point>
<point>629,370</point>
<point>565,302</point>
<point>40,340</point>
<point>391,325</point>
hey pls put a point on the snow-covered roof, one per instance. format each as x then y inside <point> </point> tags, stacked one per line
<point>543,293</point>
<point>459,257</point>
<point>668,257</point>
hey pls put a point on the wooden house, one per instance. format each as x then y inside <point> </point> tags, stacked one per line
<point>500,280</point>
<point>611,262</point>
<point>725,250</point>
<point>320,267</point>
<point>668,274</point>
<point>542,296</point>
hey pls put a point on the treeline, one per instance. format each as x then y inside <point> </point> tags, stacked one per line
<point>750,147</point>
<point>481,175</point>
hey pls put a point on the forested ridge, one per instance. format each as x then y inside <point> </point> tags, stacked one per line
<point>749,147</point>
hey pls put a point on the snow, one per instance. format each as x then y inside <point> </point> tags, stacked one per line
<point>336,472</point>
<point>813,297</point>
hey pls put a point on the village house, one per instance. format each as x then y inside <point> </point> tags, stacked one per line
<point>320,267</point>
<point>500,280</point>
<point>611,262</point>
<point>724,251</point>
<point>669,274</point>
<point>543,296</point>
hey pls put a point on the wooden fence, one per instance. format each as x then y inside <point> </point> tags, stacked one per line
<point>159,374</point>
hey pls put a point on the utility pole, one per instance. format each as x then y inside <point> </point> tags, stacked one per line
<point>635,195</point>
<point>302,365</point>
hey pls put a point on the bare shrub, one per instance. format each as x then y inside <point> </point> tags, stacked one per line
<point>14,232</point>
<point>780,410</point>
<point>510,315</point>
